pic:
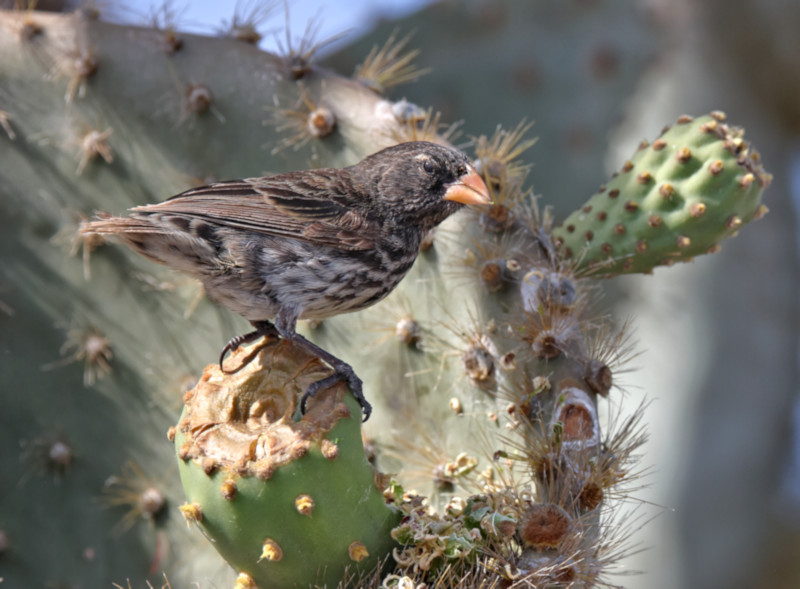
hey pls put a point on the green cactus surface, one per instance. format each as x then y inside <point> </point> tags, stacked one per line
<point>676,198</point>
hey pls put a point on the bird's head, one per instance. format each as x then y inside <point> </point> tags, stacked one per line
<point>424,183</point>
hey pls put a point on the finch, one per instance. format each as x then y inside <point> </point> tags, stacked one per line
<point>307,244</point>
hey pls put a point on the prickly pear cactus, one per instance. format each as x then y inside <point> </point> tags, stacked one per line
<point>484,368</point>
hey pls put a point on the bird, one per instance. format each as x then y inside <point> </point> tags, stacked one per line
<point>306,244</point>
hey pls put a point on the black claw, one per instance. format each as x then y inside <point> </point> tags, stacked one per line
<point>234,343</point>
<point>344,373</point>
<point>355,388</point>
<point>263,329</point>
<point>285,325</point>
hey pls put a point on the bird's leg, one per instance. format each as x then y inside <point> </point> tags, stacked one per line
<point>285,323</point>
<point>263,329</point>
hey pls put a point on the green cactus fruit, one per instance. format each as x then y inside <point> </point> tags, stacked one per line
<point>287,502</point>
<point>675,199</point>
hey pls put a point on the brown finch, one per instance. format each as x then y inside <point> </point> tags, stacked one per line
<point>307,244</point>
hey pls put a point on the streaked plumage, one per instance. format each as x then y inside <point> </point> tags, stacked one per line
<point>307,244</point>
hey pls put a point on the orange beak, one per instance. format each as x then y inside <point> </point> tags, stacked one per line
<point>470,189</point>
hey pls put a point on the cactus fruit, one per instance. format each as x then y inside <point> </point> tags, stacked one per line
<point>676,198</point>
<point>289,503</point>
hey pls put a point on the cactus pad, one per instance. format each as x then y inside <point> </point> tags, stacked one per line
<point>676,198</point>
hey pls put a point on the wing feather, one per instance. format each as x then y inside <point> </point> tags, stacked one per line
<point>307,206</point>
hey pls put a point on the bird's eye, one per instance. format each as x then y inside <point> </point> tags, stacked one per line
<point>428,166</point>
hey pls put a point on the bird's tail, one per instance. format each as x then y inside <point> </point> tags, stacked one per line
<point>107,224</point>
<point>156,240</point>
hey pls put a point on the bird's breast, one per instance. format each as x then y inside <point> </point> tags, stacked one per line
<point>327,281</point>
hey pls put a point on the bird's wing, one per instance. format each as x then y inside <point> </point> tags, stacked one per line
<point>301,206</point>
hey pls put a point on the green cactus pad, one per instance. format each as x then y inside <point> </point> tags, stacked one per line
<point>675,199</point>
<point>289,503</point>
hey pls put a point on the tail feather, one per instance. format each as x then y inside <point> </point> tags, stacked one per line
<point>157,239</point>
<point>105,224</point>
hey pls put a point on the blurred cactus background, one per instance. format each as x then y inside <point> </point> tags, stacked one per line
<point>104,106</point>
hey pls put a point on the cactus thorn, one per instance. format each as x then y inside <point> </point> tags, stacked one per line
<point>388,66</point>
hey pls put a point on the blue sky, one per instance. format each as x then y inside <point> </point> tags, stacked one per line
<point>205,16</point>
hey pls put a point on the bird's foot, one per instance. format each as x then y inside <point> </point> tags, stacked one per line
<point>344,373</point>
<point>263,329</point>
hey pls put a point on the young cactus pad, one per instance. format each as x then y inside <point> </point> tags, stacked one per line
<point>288,503</point>
<point>676,198</point>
